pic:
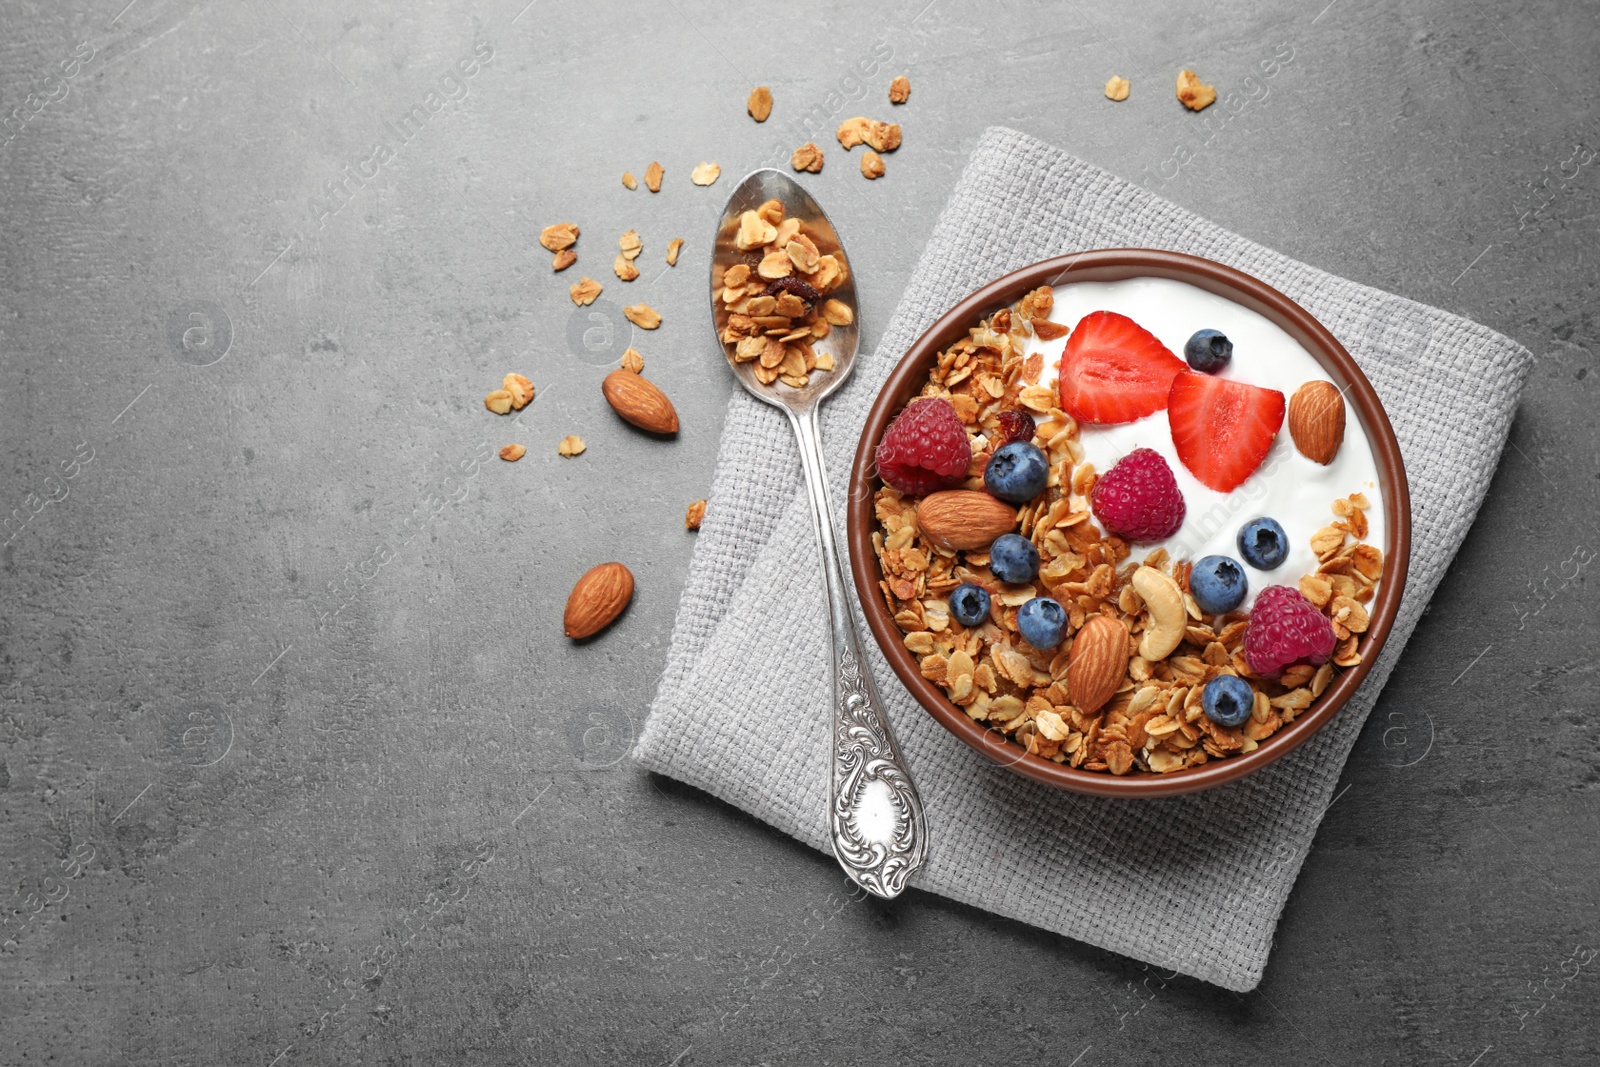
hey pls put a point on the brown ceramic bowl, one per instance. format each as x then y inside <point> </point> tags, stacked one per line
<point>1104,266</point>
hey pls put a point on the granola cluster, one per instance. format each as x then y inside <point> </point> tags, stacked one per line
<point>775,301</point>
<point>1154,721</point>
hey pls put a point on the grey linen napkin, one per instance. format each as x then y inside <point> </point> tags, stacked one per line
<point>1193,883</point>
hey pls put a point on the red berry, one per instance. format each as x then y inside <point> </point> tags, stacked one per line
<point>1114,370</point>
<point>1223,429</point>
<point>1014,426</point>
<point>925,448</point>
<point>1138,499</point>
<point>1286,628</point>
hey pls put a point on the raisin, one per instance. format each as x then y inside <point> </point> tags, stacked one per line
<point>795,286</point>
<point>1014,426</point>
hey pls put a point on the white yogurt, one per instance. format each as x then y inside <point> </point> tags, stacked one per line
<point>1287,486</point>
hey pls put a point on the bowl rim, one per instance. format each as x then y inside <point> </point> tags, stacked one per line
<point>1118,264</point>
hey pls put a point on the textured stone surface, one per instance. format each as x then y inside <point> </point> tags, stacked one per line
<point>295,763</point>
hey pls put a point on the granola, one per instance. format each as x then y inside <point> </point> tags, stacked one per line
<point>807,157</point>
<point>520,388</point>
<point>1195,95</point>
<point>642,315</point>
<point>561,236</point>
<point>879,136</point>
<point>571,445</point>
<point>774,304</point>
<point>630,245</point>
<point>1154,721</point>
<point>760,103</point>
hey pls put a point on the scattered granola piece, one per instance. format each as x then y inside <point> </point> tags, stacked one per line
<point>561,235</point>
<point>1196,95</point>
<point>584,291</point>
<point>851,132</point>
<point>900,90</point>
<point>674,246</point>
<point>652,177</point>
<point>642,315</point>
<point>571,445</point>
<point>760,103</point>
<point>705,174</point>
<point>696,513</point>
<point>512,453</point>
<point>879,136</point>
<point>520,388</point>
<point>624,268</point>
<point>807,157</point>
<point>882,136</point>
<point>564,259</point>
<point>1117,87</point>
<point>871,165</point>
<point>629,181</point>
<point>631,244</point>
<point>498,401</point>
<point>633,361</point>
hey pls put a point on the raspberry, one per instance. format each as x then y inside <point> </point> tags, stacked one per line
<point>925,448</point>
<point>1286,628</point>
<point>1014,426</point>
<point>1138,499</point>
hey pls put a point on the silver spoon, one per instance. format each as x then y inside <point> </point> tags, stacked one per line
<point>874,813</point>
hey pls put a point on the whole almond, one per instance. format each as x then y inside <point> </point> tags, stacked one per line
<point>1097,663</point>
<point>637,399</point>
<point>964,518</point>
<point>1316,421</point>
<point>597,600</point>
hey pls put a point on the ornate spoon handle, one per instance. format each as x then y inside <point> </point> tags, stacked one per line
<point>874,813</point>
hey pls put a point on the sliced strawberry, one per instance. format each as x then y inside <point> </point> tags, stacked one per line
<point>1114,370</point>
<point>1222,429</point>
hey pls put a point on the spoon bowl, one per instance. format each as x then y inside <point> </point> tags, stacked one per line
<point>756,189</point>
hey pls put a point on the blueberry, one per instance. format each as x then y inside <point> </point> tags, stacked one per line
<point>1013,559</point>
<point>1017,472</point>
<point>1042,622</point>
<point>1218,584</point>
<point>1208,351</point>
<point>970,604</point>
<point>1263,544</point>
<point>1227,700</point>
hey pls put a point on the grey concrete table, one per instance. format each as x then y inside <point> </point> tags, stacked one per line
<point>296,766</point>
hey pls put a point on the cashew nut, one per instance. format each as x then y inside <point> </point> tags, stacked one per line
<point>1168,616</point>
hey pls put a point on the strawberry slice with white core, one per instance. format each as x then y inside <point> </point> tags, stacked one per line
<point>1114,370</point>
<point>1222,429</point>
